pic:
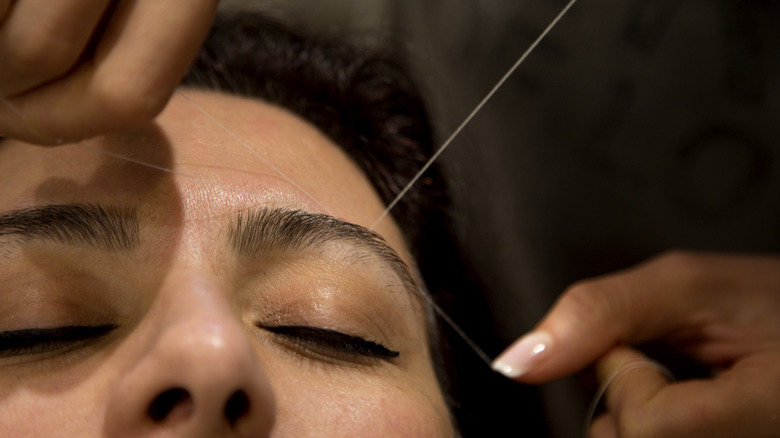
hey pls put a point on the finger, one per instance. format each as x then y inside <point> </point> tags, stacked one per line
<point>143,54</point>
<point>633,306</point>
<point>42,40</point>
<point>743,401</point>
<point>590,318</point>
<point>630,378</point>
<point>603,427</point>
<point>148,50</point>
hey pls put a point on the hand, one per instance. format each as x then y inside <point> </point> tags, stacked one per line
<point>720,310</point>
<point>72,69</point>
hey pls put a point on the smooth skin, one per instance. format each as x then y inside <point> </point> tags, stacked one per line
<point>73,69</point>
<point>191,312</point>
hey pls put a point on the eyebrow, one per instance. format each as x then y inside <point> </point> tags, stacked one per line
<point>111,228</point>
<point>257,231</point>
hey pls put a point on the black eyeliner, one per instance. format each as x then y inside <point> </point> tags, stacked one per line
<point>340,342</point>
<point>50,340</point>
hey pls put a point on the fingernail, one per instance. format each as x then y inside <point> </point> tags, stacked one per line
<point>523,355</point>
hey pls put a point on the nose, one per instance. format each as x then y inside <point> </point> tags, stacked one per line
<point>192,372</point>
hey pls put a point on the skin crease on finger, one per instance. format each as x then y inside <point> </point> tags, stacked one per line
<point>187,308</point>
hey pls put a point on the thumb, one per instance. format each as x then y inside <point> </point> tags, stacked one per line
<point>593,316</point>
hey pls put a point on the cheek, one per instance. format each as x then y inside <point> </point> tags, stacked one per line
<point>413,418</point>
<point>366,409</point>
<point>47,410</point>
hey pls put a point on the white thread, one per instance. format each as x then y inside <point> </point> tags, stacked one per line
<point>632,365</point>
<point>474,112</point>
<point>254,152</point>
<point>12,108</point>
<point>469,341</point>
<point>201,179</point>
<point>439,311</point>
<point>466,338</point>
<point>171,171</point>
<point>24,120</point>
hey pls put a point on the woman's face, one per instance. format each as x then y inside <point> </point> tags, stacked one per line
<point>220,299</point>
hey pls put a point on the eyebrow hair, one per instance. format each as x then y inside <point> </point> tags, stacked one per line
<point>110,228</point>
<point>256,231</point>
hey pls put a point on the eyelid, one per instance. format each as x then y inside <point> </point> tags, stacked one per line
<point>27,342</point>
<point>332,343</point>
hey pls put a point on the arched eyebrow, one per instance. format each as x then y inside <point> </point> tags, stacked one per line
<point>116,229</point>
<point>109,228</point>
<point>257,231</point>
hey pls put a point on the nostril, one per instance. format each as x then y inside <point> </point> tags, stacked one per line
<point>162,406</point>
<point>236,407</point>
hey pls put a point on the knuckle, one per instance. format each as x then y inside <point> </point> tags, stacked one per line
<point>696,417</point>
<point>127,101</point>
<point>681,258</point>
<point>631,424</point>
<point>703,417</point>
<point>42,55</point>
<point>688,268</point>
<point>646,423</point>
<point>600,300</point>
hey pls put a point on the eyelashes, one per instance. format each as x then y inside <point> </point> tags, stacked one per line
<point>332,343</point>
<point>35,341</point>
<point>314,340</point>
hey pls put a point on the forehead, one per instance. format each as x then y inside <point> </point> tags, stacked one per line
<point>207,155</point>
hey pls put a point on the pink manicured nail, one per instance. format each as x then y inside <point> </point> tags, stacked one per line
<point>523,355</point>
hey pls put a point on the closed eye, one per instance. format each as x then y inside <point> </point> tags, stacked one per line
<point>332,343</point>
<point>50,340</point>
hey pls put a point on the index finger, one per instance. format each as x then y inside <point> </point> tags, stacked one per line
<point>591,317</point>
<point>142,55</point>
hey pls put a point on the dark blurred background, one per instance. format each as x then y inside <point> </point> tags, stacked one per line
<point>635,127</point>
